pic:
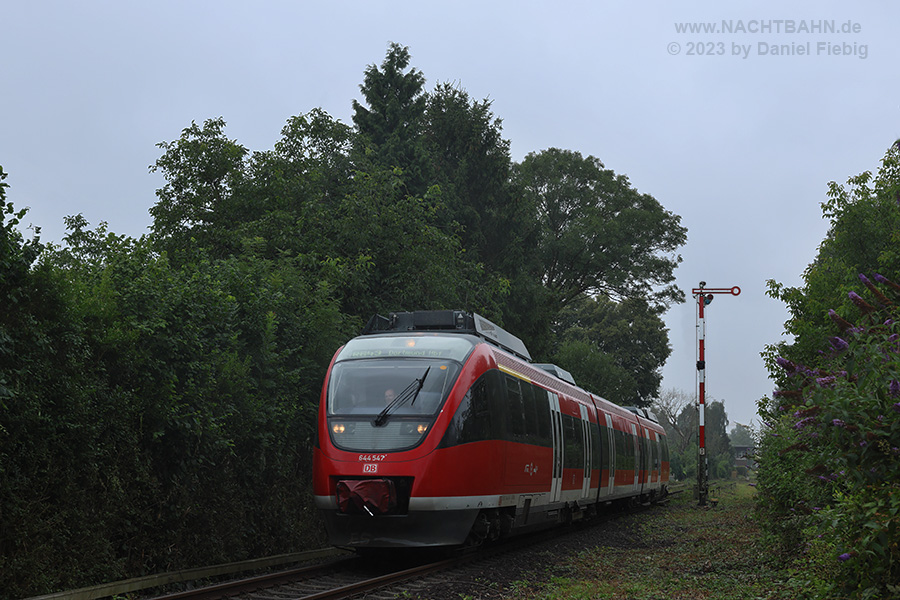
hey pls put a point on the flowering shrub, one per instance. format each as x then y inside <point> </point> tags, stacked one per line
<point>829,480</point>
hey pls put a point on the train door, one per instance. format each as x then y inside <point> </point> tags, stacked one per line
<point>557,434</point>
<point>636,439</point>
<point>646,459</point>
<point>611,450</point>
<point>588,454</point>
<point>655,463</point>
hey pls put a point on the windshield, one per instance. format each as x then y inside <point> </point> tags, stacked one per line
<point>411,375</point>
<point>368,387</point>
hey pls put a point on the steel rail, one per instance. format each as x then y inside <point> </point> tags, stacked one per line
<point>137,584</point>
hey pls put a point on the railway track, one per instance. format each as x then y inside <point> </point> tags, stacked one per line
<point>364,577</point>
<point>338,579</point>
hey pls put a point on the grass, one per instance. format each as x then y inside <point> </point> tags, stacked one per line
<point>681,551</point>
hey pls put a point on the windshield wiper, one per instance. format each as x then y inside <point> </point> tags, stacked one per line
<point>410,393</point>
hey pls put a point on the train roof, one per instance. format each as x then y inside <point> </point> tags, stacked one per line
<point>642,412</point>
<point>448,321</point>
<point>462,322</point>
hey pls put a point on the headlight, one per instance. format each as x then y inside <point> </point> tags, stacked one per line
<point>338,428</point>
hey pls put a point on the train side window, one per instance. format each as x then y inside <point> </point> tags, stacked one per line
<point>621,456</point>
<point>542,407</point>
<point>516,407</point>
<point>531,415</point>
<point>574,444</point>
<point>604,443</point>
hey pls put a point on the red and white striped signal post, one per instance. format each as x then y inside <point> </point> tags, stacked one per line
<point>704,296</point>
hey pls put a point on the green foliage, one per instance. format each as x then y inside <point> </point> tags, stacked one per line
<point>863,235</point>
<point>679,415</point>
<point>742,435</point>
<point>159,408</point>
<point>615,349</point>
<point>470,162</point>
<point>390,128</point>
<point>202,170</point>
<point>830,468</point>
<point>828,459</point>
<point>598,235</point>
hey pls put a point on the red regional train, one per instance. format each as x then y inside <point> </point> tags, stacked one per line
<point>436,429</point>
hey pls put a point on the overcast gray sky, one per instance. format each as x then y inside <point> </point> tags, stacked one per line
<point>738,140</point>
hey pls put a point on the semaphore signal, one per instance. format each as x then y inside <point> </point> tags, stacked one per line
<point>704,296</point>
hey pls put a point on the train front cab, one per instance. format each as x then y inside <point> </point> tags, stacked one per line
<point>377,477</point>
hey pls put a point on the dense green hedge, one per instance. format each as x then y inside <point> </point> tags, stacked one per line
<point>153,418</point>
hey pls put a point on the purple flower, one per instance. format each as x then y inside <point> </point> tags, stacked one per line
<point>839,423</point>
<point>842,323</point>
<point>894,389</point>
<point>785,364</point>
<point>838,344</point>
<point>845,557</point>
<point>860,303</point>
<point>804,422</point>
<point>879,278</point>
<point>896,407</point>
<point>826,381</point>
<point>863,444</point>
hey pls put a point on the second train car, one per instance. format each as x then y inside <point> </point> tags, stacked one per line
<point>436,429</point>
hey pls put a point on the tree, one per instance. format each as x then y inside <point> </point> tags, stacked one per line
<point>669,407</point>
<point>718,446</point>
<point>629,335</point>
<point>598,235</point>
<point>298,186</point>
<point>390,128</point>
<point>202,169</point>
<point>864,219</point>
<point>828,452</point>
<point>742,435</point>
<point>470,162</point>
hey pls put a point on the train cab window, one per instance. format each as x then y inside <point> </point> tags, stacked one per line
<point>384,395</point>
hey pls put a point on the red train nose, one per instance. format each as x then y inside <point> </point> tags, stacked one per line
<point>366,496</point>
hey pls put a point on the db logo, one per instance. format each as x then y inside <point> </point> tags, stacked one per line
<point>370,468</point>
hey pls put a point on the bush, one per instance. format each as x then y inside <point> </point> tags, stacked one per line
<point>830,475</point>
